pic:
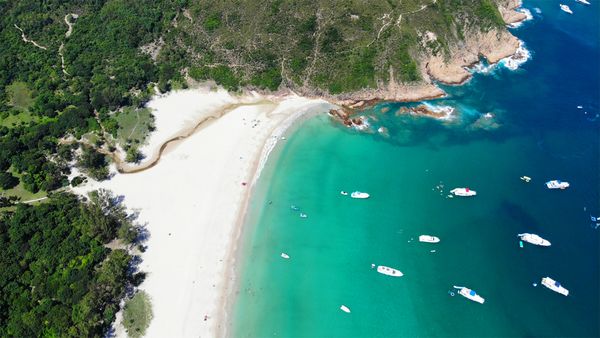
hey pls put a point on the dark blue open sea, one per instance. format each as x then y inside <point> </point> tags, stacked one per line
<point>535,129</point>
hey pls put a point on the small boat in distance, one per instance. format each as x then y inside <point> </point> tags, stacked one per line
<point>525,178</point>
<point>360,195</point>
<point>557,184</point>
<point>389,271</point>
<point>344,193</point>
<point>534,239</point>
<point>470,294</point>
<point>285,256</point>
<point>295,208</point>
<point>554,286</point>
<point>566,9</point>
<point>585,2</point>
<point>428,239</point>
<point>303,215</point>
<point>345,308</point>
<point>465,192</point>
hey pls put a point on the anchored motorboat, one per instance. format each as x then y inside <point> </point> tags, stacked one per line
<point>525,178</point>
<point>534,239</point>
<point>470,294</point>
<point>344,193</point>
<point>386,270</point>
<point>585,2</point>
<point>554,286</point>
<point>345,308</point>
<point>464,192</point>
<point>360,195</point>
<point>557,184</point>
<point>428,239</point>
<point>566,9</point>
<point>284,255</point>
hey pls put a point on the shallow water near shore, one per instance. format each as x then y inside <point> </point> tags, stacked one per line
<point>535,129</point>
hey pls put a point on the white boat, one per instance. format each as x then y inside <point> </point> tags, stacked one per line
<point>557,184</point>
<point>470,294</point>
<point>389,271</point>
<point>345,308</point>
<point>428,239</point>
<point>284,255</point>
<point>344,193</point>
<point>303,215</point>
<point>358,194</point>
<point>465,192</point>
<point>585,2</point>
<point>525,178</point>
<point>566,9</point>
<point>554,286</point>
<point>579,107</point>
<point>534,239</point>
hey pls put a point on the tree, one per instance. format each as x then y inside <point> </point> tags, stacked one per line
<point>7,180</point>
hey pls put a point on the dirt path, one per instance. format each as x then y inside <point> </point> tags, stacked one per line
<point>24,37</point>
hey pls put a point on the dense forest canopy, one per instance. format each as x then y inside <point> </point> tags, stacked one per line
<point>57,277</point>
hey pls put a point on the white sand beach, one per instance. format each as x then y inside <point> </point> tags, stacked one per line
<point>194,199</point>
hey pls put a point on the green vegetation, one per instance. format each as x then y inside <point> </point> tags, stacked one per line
<point>134,124</point>
<point>57,277</point>
<point>137,314</point>
<point>19,96</point>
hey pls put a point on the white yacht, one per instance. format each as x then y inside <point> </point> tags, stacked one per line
<point>470,294</point>
<point>285,256</point>
<point>554,286</point>
<point>358,194</point>
<point>557,184</point>
<point>303,215</point>
<point>566,9</point>
<point>525,178</point>
<point>534,239</point>
<point>585,2</point>
<point>465,192</point>
<point>345,308</point>
<point>428,239</point>
<point>389,271</point>
<point>344,193</point>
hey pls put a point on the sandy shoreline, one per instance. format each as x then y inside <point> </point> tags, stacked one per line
<point>193,201</point>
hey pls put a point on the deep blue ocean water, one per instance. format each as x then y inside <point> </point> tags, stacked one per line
<point>536,130</point>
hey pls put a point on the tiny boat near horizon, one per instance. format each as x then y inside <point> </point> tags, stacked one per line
<point>285,256</point>
<point>345,308</point>
<point>386,270</point>
<point>557,184</point>
<point>464,192</point>
<point>534,239</point>
<point>359,195</point>
<point>470,294</point>
<point>344,193</point>
<point>585,2</point>
<point>303,215</point>
<point>525,178</point>
<point>428,239</point>
<point>554,286</point>
<point>566,9</point>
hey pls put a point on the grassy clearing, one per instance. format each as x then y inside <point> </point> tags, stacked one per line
<point>134,125</point>
<point>19,95</point>
<point>137,314</point>
<point>23,117</point>
<point>19,191</point>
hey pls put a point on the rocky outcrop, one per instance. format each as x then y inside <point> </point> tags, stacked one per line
<point>493,45</point>
<point>508,12</point>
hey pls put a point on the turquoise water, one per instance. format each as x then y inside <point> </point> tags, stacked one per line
<point>539,133</point>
